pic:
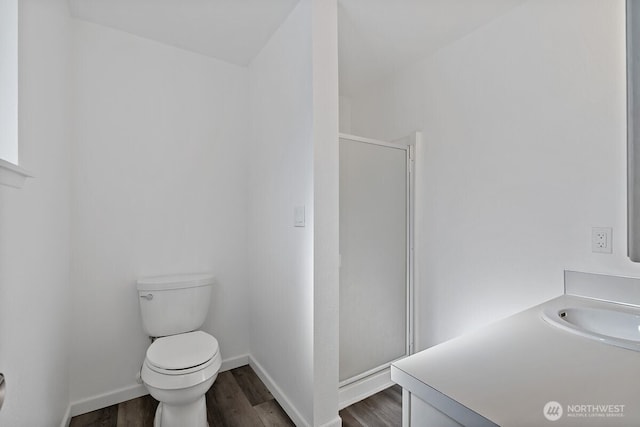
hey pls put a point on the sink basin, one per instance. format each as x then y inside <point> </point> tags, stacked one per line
<point>619,327</point>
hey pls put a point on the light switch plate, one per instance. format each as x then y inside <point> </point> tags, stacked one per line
<point>298,216</point>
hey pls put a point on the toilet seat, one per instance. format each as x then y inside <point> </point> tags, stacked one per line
<point>178,371</point>
<point>184,380</point>
<point>182,353</point>
<point>181,361</point>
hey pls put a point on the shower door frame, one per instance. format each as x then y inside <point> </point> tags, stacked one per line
<point>407,144</point>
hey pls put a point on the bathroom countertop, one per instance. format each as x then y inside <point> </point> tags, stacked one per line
<point>506,372</point>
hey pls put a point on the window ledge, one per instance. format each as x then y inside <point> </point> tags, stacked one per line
<point>12,175</point>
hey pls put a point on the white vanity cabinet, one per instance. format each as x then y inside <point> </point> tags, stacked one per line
<point>524,371</point>
<point>418,410</point>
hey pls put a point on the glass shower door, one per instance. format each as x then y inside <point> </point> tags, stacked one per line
<point>374,230</point>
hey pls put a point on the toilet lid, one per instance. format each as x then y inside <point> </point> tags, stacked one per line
<point>182,351</point>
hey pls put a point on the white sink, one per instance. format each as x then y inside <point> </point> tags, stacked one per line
<point>619,326</point>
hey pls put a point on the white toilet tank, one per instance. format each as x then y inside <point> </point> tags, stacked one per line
<point>172,305</point>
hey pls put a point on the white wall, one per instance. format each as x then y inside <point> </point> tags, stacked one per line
<point>159,187</point>
<point>34,228</point>
<point>524,125</point>
<point>345,114</point>
<point>294,162</point>
<point>9,80</point>
<point>326,215</point>
<point>281,177</point>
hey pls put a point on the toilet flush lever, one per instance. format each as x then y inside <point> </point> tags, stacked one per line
<point>148,297</point>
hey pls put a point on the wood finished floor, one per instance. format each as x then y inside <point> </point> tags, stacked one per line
<point>383,409</point>
<point>239,399</point>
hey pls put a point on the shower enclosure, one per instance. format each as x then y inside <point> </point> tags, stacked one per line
<point>376,258</point>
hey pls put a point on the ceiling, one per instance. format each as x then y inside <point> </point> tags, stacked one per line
<point>376,37</point>
<point>231,30</point>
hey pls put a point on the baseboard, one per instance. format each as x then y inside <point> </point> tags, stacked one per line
<point>336,422</point>
<point>131,392</point>
<point>277,393</point>
<point>234,362</point>
<point>66,418</point>
<point>103,400</point>
<point>361,389</point>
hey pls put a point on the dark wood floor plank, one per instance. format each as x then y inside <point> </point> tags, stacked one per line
<point>383,409</point>
<point>272,415</point>
<point>214,414</point>
<point>363,412</point>
<point>227,405</point>
<point>251,386</point>
<point>348,420</point>
<point>394,393</point>
<point>105,417</point>
<point>137,412</point>
<point>386,409</point>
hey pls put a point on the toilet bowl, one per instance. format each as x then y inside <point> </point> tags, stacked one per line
<point>181,363</point>
<point>178,370</point>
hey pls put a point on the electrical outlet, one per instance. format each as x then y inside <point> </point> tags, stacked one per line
<point>601,240</point>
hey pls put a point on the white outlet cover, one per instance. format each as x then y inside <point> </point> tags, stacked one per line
<point>602,240</point>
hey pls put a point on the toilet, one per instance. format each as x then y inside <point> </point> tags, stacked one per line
<point>182,362</point>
